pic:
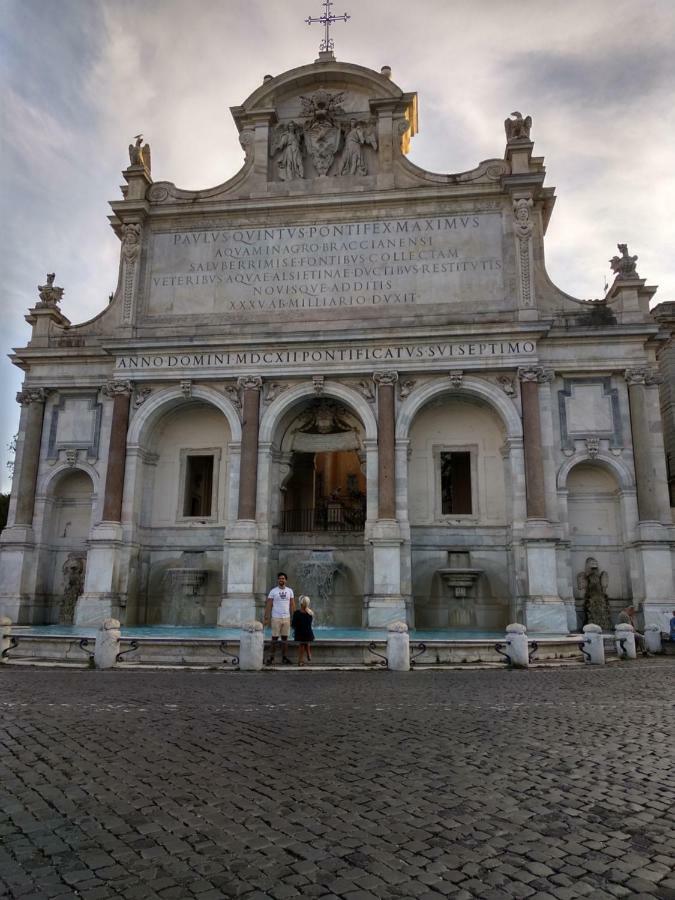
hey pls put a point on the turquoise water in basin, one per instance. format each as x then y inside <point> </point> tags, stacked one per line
<point>213,633</point>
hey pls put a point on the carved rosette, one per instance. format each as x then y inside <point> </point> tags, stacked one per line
<point>32,395</point>
<point>131,249</point>
<point>536,373</point>
<point>523,228</point>
<point>646,375</point>
<point>114,389</point>
<point>387,377</point>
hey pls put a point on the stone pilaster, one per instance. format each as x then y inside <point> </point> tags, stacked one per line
<point>33,401</point>
<point>641,383</point>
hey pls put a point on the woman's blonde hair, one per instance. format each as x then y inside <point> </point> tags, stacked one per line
<point>304,603</point>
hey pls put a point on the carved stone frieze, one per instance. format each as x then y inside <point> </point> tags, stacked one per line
<point>507,385</point>
<point>387,377</point>
<point>114,389</point>
<point>646,375</point>
<point>536,373</point>
<point>32,395</point>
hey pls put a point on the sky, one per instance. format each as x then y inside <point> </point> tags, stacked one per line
<point>81,77</point>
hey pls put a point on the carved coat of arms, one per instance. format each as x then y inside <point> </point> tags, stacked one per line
<point>322,130</point>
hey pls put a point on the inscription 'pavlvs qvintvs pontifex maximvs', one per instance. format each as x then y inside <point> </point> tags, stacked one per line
<point>357,264</point>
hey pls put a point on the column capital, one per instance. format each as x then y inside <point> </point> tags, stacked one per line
<point>32,395</point>
<point>646,375</point>
<point>389,376</point>
<point>536,373</point>
<point>114,389</point>
<point>249,383</point>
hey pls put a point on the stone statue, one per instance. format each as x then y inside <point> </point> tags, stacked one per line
<point>624,265</point>
<point>593,584</point>
<point>353,160</point>
<point>517,128</point>
<point>322,130</point>
<point>131,237</point>
<point>139,153</point>
<point>73,582</point>
<point>50,295</point>
<point>286,141</point>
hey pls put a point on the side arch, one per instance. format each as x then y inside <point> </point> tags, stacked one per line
<point>50,479</point>
<point>471,387</point>
<point>279,407</point>
<point>158,404</point>
<point>613,464</point>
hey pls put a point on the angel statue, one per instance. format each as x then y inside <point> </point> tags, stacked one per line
<point>286,140</point>
<point>517,128</point>
<point>139,153</point>
<point>353,161</point>
<point>593,584</point>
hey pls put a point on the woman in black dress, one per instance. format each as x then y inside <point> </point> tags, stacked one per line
<point>301,623</point>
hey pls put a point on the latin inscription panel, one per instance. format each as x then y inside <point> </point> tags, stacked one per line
<point>236,272</point>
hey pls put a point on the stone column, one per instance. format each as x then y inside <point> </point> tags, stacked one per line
<point>237,606</point>
<point>544,611</point>
<point>33,401</point>
<point>534,466</point>
<point>386,603</point>
<point>250,386</point>
<point>386,444</point>
<point>120,391</point>
<point>654,586</point>
<point>648,488</point>
<point>100,599</point>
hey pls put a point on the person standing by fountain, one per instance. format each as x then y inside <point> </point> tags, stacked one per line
<point>301,624</point>
<point>279,608</point>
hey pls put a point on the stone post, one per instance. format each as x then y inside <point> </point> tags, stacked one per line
<point>251,647</point>
<point>398,647</point>
<point>33,401</point>
<point>516,642</point>
<point>107,644</point>
<point>5,636</point>
<point>624,632</point>
<point>386,444</point>
<point>120,391</point>
<point>594,645</point>
<point>653,639</point>
<point>250,386</point>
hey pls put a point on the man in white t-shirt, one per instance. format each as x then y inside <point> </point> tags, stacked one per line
<point>279,608</point>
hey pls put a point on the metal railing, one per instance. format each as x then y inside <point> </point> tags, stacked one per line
<point>329,518</point>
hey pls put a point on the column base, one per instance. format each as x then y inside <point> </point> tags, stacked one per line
<point>92,609</point>
<point>236,611</point>
<point>381,610</point>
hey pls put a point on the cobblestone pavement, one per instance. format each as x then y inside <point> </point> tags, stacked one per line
<point>552,783</point>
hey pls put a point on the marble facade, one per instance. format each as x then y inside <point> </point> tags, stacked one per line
<point>334,307</point>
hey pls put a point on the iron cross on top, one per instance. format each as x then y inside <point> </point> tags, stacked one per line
<point>327,19</point>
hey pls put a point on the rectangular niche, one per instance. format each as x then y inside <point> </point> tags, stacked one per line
<point>198,485</point>
<point>589,408</point>
<point>456,493</point>
<point>75,425</point>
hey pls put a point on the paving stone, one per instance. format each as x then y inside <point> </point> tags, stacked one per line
<point>416,790</point>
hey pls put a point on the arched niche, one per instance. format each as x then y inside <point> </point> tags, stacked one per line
<point>595,528</point>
